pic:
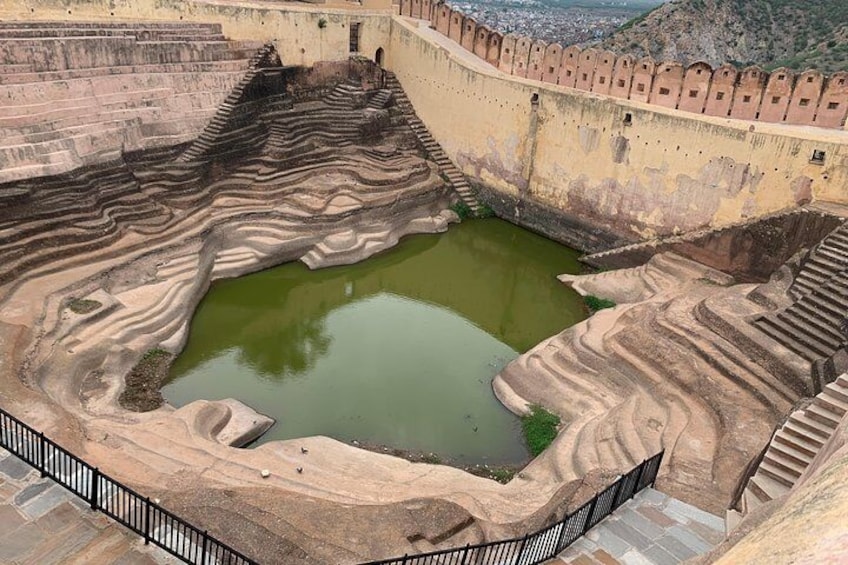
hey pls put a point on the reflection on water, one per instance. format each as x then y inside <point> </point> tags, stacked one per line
<point>398,350</point>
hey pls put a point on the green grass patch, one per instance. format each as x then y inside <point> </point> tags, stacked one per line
<point>485,212</point>
<point>540,429</point>
<point>502,474</point>
<point>465,212</point>
<point>83,306</point>
<point>462,210</point>
<point>594,303</point>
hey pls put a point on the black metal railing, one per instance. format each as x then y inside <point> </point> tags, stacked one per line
<point>546,543</point>
<point>119,502</point>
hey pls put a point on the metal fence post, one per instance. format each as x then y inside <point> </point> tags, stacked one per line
<point>42,452</point>
<point>95,487</point>
<point>565,522</point>
<point>614,504</point>
<point>521,550</point>
<point>658,457</point>
<point>588,523</point>
<point>205,547</point>
<point>642,467</point>
<point>147,514</point>
<point>405,555</point>
<point>464,554</point>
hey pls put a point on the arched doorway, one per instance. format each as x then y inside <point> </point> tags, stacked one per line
<point>378,56</point>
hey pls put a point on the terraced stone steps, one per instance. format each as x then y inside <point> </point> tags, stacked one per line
<point>795,445</point>
<point>826,260</point>
<point>811,327</point>
<point>226,113</point>
<point>649,374</point>
<point>98,88</point>
<point>449,169</point>
<point>380,100</point>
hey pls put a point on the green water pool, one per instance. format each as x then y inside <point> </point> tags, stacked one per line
<point>399,350</point>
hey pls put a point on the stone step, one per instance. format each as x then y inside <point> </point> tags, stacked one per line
<point>823,416</point>
<point>787,338</point>
<point>766,488</point>
<point>786,465</point>
<point>825,263</point>
<point>835,254</point>
<point>838,239</point>
<point>828,298</point>
<point>803,444</point>
<point>811,328</point>
<point>778,475</point>
<point>811,273</point>
<point>830,402</point>
<point>796,456</point>
<point>813,430</point>
<point>829,317</point>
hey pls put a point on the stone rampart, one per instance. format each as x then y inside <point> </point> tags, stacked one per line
<point>782,96</point>
<point>304,33</point>
<point>596,171</point>
<point>81,93</point>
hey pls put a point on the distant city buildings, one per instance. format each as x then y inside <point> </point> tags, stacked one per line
<point>564,25</point>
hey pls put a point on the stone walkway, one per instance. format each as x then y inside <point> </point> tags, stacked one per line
<point>41,523</point>
<point>652,528</point>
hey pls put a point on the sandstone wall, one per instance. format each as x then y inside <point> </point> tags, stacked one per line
<point>79,94</point>
<point>808,98</point>
<point>82,83</point>
<point>602,170</point>
<point>294,28</point>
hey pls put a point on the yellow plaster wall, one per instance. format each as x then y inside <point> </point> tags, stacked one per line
<point>669,171</point>
<point>292,27</point>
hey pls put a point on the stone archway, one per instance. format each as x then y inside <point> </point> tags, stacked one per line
<point>378,56</point>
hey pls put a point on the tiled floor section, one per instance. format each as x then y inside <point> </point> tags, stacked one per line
<point>41,523</point>
<point>652,528</point>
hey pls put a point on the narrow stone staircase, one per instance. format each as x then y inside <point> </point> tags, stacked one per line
<point>811,327</point>
<point>213,131</point>
<point>824,262</point>
<point>453,174</point>
<point>380,100</point>
<point>795,444</point>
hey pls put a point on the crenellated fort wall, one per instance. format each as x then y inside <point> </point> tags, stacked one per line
<point>782,96</point>
<point>595,170</point>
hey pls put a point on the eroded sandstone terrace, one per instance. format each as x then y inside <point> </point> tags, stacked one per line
<point>142,161</point>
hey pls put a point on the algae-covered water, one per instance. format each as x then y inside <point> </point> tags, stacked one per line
<point>399,350</point>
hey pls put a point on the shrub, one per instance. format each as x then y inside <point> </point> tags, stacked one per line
<point>540,429</point>
<point>594,303</point>
<point>485,212</point>
<point>83,306</point>
<point>462,210</point>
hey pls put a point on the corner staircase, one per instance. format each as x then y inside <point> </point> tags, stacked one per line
<point>454,176</point>
<point>824,262</point>
<point>217,125</point>
<point>812,326</point>
<point>380,100</point>
<point>795,444</point>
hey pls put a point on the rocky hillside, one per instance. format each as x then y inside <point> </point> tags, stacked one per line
<point>771,33</point>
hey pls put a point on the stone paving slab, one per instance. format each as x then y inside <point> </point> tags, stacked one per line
<point>42,523</point>
<point>650,529</point>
